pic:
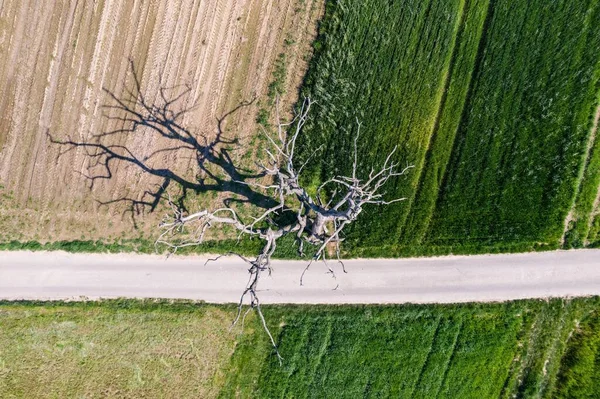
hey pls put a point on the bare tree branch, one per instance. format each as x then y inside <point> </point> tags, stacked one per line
<point>316,223</point>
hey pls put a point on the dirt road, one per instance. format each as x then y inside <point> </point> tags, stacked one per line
<point>58,275</point>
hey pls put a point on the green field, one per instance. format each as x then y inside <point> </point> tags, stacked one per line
<point>163,349</point>
<point>579,376</point>
<point>493,101</point>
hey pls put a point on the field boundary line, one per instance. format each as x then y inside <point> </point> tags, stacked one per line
<point>446,79</point>
<point>427,358</point>
<point>450,358</point>
<point>580,178</point>
<point>322,352</point>
<point>481,45</point>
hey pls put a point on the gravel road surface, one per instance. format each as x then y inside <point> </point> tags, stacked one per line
<point>59,275</point>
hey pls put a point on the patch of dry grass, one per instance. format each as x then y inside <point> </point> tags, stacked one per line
<point>90,351</point>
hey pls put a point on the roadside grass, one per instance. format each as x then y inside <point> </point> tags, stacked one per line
<point>286,247</point>
<point>126,349</point>
<point>583,229</point>
<point>142,246</point>
<point>468,248</point>
<point>154,348</point>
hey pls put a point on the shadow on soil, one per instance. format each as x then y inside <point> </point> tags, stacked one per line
<point>143,120</point>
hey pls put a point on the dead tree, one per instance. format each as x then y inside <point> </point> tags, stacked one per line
<point>317,220</point>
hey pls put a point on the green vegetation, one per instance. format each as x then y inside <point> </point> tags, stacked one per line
<point>115,350</point>
<point>459,351</point>
<point>447,349</point>
<point>286,248</point>
<point>580,372</point>
<point>277,85</point>
<point>584,228</point>
<point>134,245</point>
<point>134,348</point>
<point>491,100</point>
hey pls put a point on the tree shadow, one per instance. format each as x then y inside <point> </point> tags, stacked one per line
<point>142,119</point>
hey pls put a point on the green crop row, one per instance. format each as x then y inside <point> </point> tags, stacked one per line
<point>520,149</point>
<point>158,348</point>
<point>579,376</point>
<point>152,348</point>
<point>459,351</point>
<point>286,249</point>
<point>491,100</point>
<point>385,64</point>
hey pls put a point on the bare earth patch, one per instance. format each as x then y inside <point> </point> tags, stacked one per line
<point>56,59</point>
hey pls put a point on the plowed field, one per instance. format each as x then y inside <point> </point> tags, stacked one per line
<point>60,59</point>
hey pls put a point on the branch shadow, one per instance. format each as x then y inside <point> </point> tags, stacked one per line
<point>142,119</point>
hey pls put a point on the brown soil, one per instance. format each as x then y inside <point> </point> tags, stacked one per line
<point>56,57</point>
